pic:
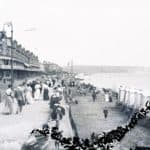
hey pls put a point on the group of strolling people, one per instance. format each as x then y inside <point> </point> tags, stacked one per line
<point>56,105</point>
<point>15,98</point>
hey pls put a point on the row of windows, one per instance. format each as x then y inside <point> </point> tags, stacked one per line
<point>5,50</point>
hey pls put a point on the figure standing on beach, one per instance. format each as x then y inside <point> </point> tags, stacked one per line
<point>94,95</point>
<point>105,111</point>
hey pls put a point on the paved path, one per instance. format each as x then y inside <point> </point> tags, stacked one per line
<point>14,129</point>
<point>64,125</point>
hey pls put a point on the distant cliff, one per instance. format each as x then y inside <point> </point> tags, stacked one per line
<point>107,69</point>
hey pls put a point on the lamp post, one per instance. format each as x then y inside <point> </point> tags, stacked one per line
<point>9,24</point>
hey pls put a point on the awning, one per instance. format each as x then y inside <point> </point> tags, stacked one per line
<point>26,65</point>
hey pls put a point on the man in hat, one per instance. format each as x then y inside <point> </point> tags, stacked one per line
<point>20,99</point>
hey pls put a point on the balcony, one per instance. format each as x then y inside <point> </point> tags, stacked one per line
<point>19,55</point>
<point>8,67</point>
<point>18,67</point>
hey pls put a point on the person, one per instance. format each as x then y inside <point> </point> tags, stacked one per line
<point>56,92</point>
<point>51,92</point>
<point>37,92</point>
<point>70,95</point>
<point>41,88</point>
<point>105,111</point>
<point>62,83</point>
<point>28,94</point>
<point>32,84</point>
<point>106,97</point>
<point>0,97</point>
<point>9,99</point>
<point>110,94</point>
<point>65,93</point>
<point>60,89</point>
<point>94,95</point>
<point>110,98</point>
<point>20,99</point>
<point>45,92</point>
<point>53,81</point>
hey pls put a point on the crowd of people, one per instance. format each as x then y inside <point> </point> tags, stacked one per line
<point>44,88</point>
<point>26,93</point>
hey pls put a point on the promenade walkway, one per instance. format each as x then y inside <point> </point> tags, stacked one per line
<point>14,129</point>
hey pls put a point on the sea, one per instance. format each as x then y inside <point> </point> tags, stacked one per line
<point>140,80</point>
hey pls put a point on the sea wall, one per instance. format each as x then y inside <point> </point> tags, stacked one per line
<point>73,124</point>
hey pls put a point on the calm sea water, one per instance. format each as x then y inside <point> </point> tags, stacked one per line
<point>114,80</point>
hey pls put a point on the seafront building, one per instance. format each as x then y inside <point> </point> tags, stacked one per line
<point>51,68</point>
<point>25,63</point>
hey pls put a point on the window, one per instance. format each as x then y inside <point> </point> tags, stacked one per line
<point>6,62</point>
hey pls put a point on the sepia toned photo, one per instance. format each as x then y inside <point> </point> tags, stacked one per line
<point>74,75</point>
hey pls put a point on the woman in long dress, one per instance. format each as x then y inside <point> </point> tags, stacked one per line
<point>45,92</point>
<point>28,94</point>
<point>9,99</point>
<point>107,97</point>
<point>37,92</point>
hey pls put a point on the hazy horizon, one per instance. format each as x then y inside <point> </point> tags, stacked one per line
<point>107,69</point>
<point>108,66</point>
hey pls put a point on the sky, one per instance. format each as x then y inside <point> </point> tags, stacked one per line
<point>89,32</point>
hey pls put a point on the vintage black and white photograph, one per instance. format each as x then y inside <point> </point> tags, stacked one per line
<point>74,75</point>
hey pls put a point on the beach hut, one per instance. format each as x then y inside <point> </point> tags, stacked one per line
<point>127,97</point>
<point>122,94</point>
<point>145,97</point>
<point>132,97</point>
